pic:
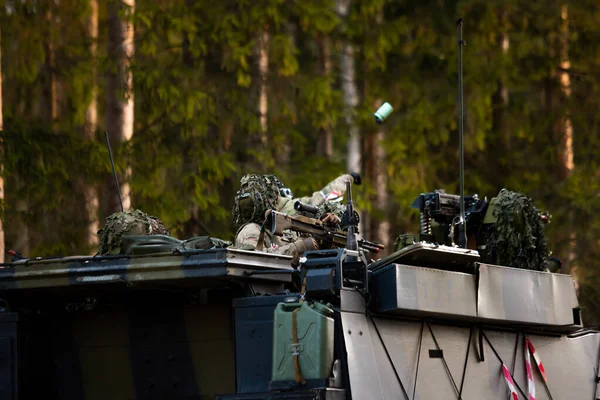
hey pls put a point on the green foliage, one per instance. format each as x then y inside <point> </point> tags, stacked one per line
<point>195,92</point>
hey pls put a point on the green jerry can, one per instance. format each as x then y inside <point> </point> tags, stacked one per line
<point>314,332</point>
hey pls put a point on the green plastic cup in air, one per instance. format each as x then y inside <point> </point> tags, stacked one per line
<point>384,111</point>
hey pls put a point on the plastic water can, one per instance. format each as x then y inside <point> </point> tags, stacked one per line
<point>315,327</point>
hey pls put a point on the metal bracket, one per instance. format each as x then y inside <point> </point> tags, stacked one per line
<point>296,349</point>
<point>481,353</point>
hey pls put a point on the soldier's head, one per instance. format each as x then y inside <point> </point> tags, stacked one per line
<point>135,222</point>
<point>257,194</point>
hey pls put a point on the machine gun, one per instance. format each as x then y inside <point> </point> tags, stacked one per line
<point>276,223</point>
<point>444,209</point>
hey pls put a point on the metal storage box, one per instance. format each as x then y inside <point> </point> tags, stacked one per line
<point>527,297</point>
<point>418,290</point>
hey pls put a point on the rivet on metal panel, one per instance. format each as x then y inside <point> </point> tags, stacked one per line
<point>349,332</point>
<point>360,333</point>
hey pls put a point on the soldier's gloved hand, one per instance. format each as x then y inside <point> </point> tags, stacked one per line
<point>331,219</point>
<point>302,245</point>
<point>305,244</point>
<point>356,177</point>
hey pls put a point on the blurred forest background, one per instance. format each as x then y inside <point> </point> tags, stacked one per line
<point>196,93</point>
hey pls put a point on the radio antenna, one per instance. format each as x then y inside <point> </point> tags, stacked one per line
<point>114,172</point>
<point>462,232</point>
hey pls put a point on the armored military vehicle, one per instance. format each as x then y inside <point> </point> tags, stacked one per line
<point>167,319</point>
<point>162,320</point>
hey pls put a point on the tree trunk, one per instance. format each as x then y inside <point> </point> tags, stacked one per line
<point>325,143</point>
<point>565,129</point>
<point>381,226</point>
<point>257,140</point>
<point>22,242</point>
<point>190,226</point>
<point>262,64</point>
<point>283,150</point>
<point>500,126</point>
<point>90,192</point>
<point>501,95</point>
<point>51,96</point>
<point>350,92</point>
<point>120,99</point>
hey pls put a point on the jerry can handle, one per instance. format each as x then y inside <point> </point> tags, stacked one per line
<point>289,306</point>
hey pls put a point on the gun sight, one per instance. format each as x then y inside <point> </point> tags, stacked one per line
<point>306,208</point>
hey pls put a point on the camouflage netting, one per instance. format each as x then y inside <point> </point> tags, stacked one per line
<point>404,240</point>
<point>133,222</point>
<point>332,207</point>
<point>257,194</point>
<point>518,235</point>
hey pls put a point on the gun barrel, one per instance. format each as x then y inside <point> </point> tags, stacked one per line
<point>308,208</point>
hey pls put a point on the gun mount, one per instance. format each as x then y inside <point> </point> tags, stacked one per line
<point>444,210</point>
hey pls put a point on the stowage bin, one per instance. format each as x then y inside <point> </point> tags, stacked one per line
<point>315,330</point>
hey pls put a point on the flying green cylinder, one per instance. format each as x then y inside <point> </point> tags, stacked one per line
<point>384,111</point>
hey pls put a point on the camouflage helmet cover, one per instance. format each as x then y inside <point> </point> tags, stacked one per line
<point>257,194</point>
<point>134,222</point>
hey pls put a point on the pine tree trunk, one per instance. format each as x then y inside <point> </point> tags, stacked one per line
<point>257,140</point>
<point>500,126</point>
<point>502,95</point>
<point>350,92</point>
<point>51,95</point>
<point>381,228</point>
<point>325,143</point>
<point>22,242</point>
<point>565,127</point>
<point>283,150</point>
<point>190,227</point>
<point>120,99</point>
<point>90,192</point>
<point>262,64</point>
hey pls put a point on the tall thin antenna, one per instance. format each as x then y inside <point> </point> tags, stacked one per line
<point>462,231</point>
<point>114,172</point>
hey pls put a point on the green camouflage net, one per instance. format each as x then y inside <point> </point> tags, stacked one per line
<point>134,223</point>
<point>405,240</point>
<point>518,234</point>
<point>257,194</point>
<point>336,208</point>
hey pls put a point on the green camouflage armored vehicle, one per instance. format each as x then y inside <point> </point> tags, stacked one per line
<point>153,317</point>
<point>169,319</point>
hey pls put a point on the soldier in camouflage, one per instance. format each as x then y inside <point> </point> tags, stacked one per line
<point>259,193</point>
<point>333,191</point>
<point>134,222</point>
